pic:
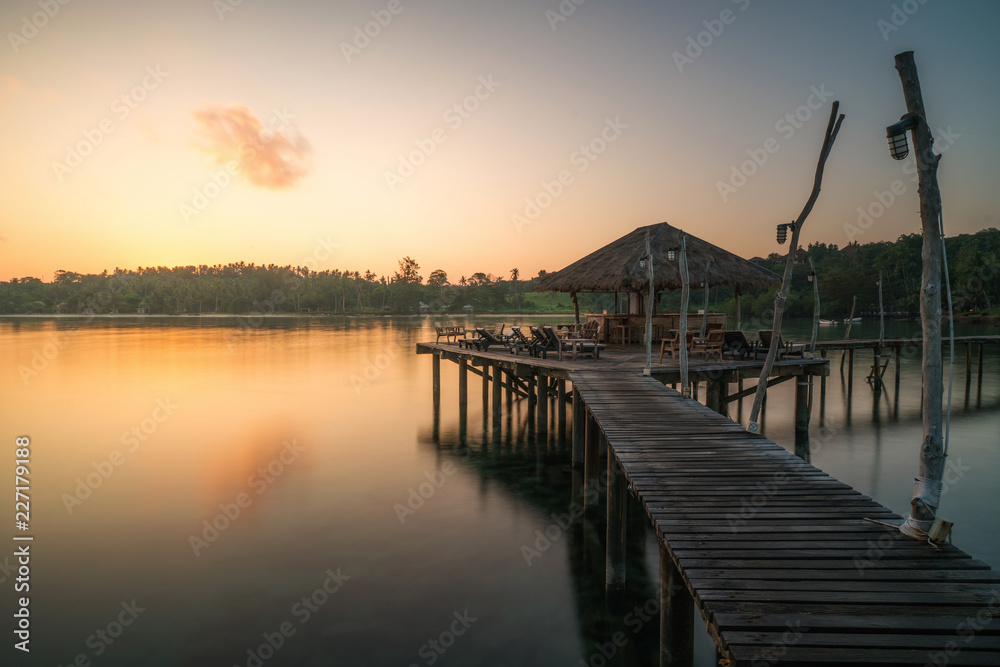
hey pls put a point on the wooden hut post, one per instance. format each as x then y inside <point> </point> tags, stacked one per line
<point>739,321</point>
<point>927,485</point>
<point>649,311</point>
<point>706,289</point>
<point>832,129</point>
<point>576,309</point>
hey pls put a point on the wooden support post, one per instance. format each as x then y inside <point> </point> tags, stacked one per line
<point>542,385</point>
<point>497,396</point>
<point>979,370</point>
<point>436,372</point>
<point>561,411</point>
<point>715,396</point>
<point>531,397</point>
<point>463,399</point>
<point>694,390</point>
<point>968,369</point>
<point>822,393</point>
<point>509,394</point>
<point>802,417</point>
<point>614,575</point>
<point>676,616</point>
<point>579,428</point>
<point>590,468</point>
<point>850,373</point>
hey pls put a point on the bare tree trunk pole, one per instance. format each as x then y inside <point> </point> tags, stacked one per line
<point>847,334</point>
<point>927,484</point>
<point>685,385</point>
<point>832,129</point>
<point>812,343</point>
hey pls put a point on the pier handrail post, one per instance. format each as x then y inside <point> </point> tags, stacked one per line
<point>927,484</point>
<point>832,129</point>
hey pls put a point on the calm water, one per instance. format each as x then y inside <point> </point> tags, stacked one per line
<point>339,519</point>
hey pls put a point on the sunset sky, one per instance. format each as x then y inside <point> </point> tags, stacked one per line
<point>471,135</point>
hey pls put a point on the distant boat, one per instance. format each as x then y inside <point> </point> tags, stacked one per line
<point>827,323</point>
<point>856,319</point>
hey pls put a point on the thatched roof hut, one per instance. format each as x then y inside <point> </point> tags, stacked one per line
<point>615,267</point>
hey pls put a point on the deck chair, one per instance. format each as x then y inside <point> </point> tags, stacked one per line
<point>485,340</point>
<point>673,346</point>
<point>785,348</point>
<point>518,341</point>
<point>498,330</point>
<point>544,341</point>
<point>712,344</point>
<point>736,344</point>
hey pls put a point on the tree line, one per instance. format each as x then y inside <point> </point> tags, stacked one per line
<point>240,288</point>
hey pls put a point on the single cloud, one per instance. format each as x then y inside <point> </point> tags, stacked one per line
<point>271,155</point>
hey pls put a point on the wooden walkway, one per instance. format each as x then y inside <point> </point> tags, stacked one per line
<point>777,554</point>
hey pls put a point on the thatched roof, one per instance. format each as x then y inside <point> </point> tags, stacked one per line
<point>615,267</point>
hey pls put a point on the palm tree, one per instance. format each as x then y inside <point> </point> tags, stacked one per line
<point>514,275</point>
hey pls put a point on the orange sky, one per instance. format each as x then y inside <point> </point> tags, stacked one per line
<point>470,136</point>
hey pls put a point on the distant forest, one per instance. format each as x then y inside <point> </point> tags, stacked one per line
<point>973,260</point>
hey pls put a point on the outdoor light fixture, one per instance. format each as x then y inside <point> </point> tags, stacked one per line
<point>783,231</point>
<point>896,133</point>
<point>811,276</point>
<point>642,262</point>
<point>701,284</point>
<point>672,253</point>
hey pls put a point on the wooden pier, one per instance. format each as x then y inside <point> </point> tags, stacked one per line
<point>787,565</point>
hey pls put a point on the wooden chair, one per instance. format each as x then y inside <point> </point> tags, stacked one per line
<point>543,342</point>
<point>785,348</point>
<point>586,342</point>
<point>712,344</point>
<point>673,345</point>
<point>518,341</point>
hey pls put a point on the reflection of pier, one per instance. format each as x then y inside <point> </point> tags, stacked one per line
<point>776,554</point>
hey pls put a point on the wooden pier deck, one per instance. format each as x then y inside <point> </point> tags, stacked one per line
<point>777,554</point>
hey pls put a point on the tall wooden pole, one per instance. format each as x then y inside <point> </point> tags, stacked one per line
<point>706,289</point>
<point>847,334</point>
<point>649,309</point>
<point>927,484</point>
<point>739,322</point>
<point>685,289</point>
<point>881,312</point>
<point>832,129</point>
<point>815,281</point>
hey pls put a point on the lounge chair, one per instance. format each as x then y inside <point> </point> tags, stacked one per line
<point>485,340</point>
<point>545,340</point>
<point>736,344</point>
<point>712,344</point>
<point>518,341</point>
<point>785,348</point>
